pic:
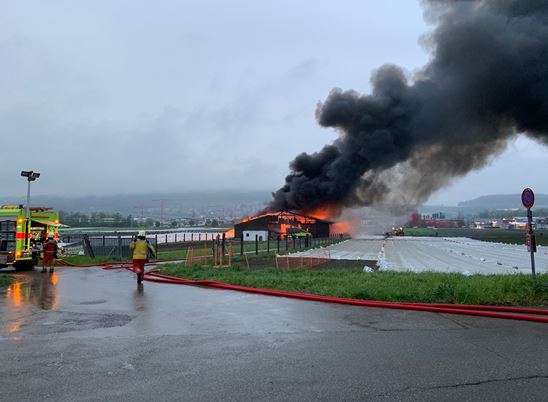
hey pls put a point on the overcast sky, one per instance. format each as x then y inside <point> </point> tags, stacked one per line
<point>129,96</point>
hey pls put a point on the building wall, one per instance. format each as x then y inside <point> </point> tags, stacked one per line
<point>249,235</point>
<point>273,226</point>
<point>254,224</point>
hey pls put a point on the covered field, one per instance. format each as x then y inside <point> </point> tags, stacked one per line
<point>438,254</point>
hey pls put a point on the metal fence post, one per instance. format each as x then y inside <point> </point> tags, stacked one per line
<point>268,243</point>
<point>242,244</point>
<point>223,244</point>
<point>119,248</point>
<point>256,244</point>
<point>278,244</point>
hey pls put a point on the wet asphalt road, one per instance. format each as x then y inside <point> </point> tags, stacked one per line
<point>89,334</point>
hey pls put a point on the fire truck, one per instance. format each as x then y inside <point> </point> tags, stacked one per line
<point>21,237</point>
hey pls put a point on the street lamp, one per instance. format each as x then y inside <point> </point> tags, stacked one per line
<point>31,176</point>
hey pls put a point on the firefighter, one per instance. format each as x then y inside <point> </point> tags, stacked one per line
<point>49,249</point>
<point>141,249</point>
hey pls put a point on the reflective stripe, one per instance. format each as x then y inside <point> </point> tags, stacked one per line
<point>20,235</point>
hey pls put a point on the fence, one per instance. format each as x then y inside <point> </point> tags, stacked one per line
<point>117,246</point>
<point>303,261</point>
<point>288,244</point>
<point>156,238</point>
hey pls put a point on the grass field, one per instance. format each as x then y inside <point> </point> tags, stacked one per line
<point>420,232</point>
<point>388,286</point>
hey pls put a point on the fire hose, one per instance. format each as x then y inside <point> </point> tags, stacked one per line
<point>513,313</point>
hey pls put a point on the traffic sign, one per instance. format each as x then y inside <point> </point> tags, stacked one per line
<point>528,198</point>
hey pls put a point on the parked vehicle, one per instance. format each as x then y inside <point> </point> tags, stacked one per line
<point>21,238</point>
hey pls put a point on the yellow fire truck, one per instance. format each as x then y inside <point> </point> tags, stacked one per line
<point>21,238</point>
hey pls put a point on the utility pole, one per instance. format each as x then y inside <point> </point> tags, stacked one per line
<point>31,176</point>
<point>142,209</point>
<point>161,209</point>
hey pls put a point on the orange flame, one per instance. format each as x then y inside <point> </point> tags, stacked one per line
<point>325,212</point>
<point>331,212</point>
<point>343,227</point>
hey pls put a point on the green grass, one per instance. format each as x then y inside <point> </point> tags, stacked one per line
<point>172,255</point>
<point>5,281</point>
<point>420,232</point>
<point>84,259</point>
<point>425,287</point>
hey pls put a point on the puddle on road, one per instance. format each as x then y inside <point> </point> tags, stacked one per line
<point>31,307</point>
<point>32,291</point>
<point>33,288</point>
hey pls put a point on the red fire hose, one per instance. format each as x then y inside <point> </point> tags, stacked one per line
<point>513,313</point>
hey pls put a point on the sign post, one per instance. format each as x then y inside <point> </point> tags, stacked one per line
<point>31,176</point>
<point>528,200</point>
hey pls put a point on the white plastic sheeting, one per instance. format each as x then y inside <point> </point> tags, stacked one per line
<point>450,254</point>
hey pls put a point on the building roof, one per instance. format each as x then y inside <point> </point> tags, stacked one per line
<point>285,213</point>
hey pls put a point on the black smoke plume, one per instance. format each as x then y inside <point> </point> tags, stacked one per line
<point>487,81</point>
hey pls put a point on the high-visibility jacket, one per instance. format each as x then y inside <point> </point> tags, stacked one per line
<point>50,248</point>
<point>140,249</point>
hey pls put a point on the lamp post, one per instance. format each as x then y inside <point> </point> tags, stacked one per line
<point>31,176</point>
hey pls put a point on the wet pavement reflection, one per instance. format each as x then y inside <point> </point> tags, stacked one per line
<point>96,302</point>
<point>32,291</point>
<point>88,333</point>
<point>36,288</point>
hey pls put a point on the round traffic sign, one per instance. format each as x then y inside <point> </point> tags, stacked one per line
<point>528,198</point>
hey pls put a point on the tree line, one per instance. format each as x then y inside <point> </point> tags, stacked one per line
<point>105,219</point>
<point>80,219</point>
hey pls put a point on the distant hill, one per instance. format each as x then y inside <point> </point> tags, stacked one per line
<point>218,203</point>
<point>503,201</point>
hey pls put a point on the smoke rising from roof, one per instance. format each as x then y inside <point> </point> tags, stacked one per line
<point>487,81</point>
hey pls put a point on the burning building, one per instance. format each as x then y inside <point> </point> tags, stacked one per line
<point>281,224</point>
